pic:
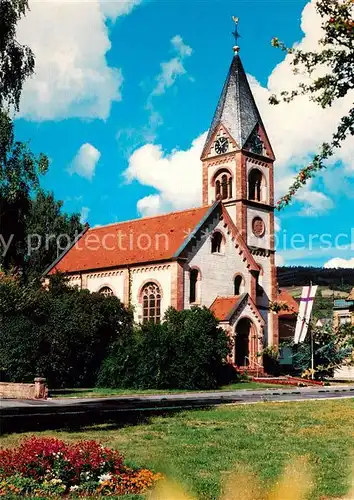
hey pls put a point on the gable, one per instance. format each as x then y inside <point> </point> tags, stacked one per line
<point>229,308</point>
<point>218,218</point>
<point>220,131</point>
<point>258,143</point>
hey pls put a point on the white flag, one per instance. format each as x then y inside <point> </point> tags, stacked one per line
<point>305,310</point>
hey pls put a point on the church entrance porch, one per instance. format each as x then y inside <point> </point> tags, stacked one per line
<point>241,319</point>
<point>247,345</point>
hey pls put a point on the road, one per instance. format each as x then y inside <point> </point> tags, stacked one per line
<point>12,407</point>
<point>55,413</point>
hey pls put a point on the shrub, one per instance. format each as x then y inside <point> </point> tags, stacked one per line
<point>51,467</point>
<point>61,333</point>
<point>187,351</point>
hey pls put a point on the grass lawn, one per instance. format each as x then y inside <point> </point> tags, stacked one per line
<point>198,448</point>
<point>102,392</point>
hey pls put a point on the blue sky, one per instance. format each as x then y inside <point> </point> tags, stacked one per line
<point>109,132</point>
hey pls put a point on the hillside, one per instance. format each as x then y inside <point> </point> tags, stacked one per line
<point>341,280</point>
<point>332,283</point>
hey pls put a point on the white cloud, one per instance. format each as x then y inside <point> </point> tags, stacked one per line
<point>277,224</point>
<point>315,203</point>
<point>150,205</point>
<point>84,214</point>
<point>70,41</point>
<point>339,263</point>
<point>115,8</point>
<point>173,68</point>
<point>177,176</point>
<point>297,129</point>
<point>170,71</point>
<point>85,161</point>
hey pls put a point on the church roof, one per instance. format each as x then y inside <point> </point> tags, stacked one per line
<point>223,307</point>
<point>286,298</point>
<point>150,239</point>
<point>236,109</point>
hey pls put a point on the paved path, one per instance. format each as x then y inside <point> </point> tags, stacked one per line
<point>10,408</point>
<point>21,415</point>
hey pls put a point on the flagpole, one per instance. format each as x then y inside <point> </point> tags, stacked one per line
<point>312,350</point>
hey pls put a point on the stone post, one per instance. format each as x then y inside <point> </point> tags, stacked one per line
<point>40,388</point>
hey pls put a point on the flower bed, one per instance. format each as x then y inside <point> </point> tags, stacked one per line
<point>50,467</point>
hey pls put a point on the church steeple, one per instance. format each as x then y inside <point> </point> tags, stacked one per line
<point>236,109</point>
<point>237,113</point>
<point>238,170</point>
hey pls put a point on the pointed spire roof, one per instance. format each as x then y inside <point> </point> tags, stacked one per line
<point>236,109</point>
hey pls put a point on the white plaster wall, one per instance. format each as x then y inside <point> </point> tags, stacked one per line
<point>344,373</point>
<point>232,211</point>
<point>263,301</point>
<point>253,240</point>
<point>217,271</point>
<point>162,275</point>
<point>114,280</point>
<point>265,280</point>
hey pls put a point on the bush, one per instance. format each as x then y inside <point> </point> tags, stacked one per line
<point>51,467</point>
<point>61,333</point>
<point>187,351</point>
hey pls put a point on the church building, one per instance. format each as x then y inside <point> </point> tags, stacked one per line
<point>220,255</point>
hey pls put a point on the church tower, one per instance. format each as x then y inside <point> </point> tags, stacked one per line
<point>238,162</point>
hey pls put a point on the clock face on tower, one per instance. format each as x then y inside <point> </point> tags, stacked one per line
<point>221,145</point>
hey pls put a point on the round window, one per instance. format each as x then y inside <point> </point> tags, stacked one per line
<point>258,227</point>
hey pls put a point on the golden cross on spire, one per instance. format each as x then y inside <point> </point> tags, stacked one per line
<point>236,33</point>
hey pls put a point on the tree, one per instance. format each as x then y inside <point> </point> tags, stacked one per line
<point>47,231</point>
<point>19,167</point>
<point>187,351</point>
<point>20,170</point>
<point>61,333</point>
<point>332,349</point>
<point>16,60</point>
<point>336,55</point>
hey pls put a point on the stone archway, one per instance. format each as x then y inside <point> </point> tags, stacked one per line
<point>242,342</point>
<point>246,344</point>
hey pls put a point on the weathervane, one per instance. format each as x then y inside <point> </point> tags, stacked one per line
<point>236,33</point>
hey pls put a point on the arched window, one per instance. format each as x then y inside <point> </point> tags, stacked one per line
<point>223,185</point>
<point>238,282</point>
<point>217,190</point>
<point>106,291</point>
<point>193,281</point>
<point>217,242</point>
<point>256,185</point>
<point>151,298</point>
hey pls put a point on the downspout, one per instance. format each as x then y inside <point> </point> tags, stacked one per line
<point>129,287</point>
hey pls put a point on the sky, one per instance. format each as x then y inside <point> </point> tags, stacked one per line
<point>124,93</point>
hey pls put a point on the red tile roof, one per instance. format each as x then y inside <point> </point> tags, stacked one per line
<point>223,306</point>
<point>149,239</point>
<point>284,297</point>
